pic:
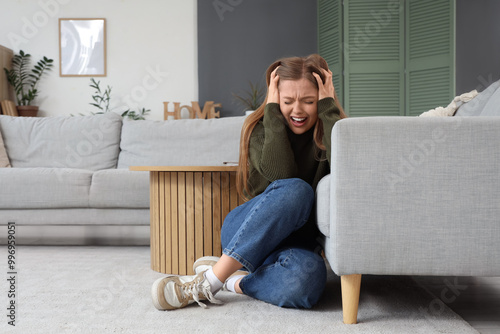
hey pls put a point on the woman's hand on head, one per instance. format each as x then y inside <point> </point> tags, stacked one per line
<point>325,90</point>
<point>273,95</point>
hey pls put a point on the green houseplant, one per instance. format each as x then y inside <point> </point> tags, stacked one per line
<point>251,99</point>
<point>25,80</point>
<point>102,100</point>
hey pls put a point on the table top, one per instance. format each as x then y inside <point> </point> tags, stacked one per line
<point>226,168</point>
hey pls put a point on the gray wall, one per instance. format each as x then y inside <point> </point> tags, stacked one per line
<point>477,44</point>
<point>239,39</point>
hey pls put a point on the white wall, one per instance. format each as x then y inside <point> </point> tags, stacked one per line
<point>143,37</point>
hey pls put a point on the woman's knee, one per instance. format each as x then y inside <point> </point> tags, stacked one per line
<point>290,277</point>
<point>306,282</point>
<point>309,289</point>
<point>293,192</point>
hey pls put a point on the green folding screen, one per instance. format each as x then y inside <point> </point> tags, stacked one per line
<point>392,58</point>
<point>330,40</point>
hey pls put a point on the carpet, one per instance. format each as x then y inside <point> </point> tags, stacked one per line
<point>107,290</point>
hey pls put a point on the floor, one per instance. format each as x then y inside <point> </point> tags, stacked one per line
<point>475,299</point>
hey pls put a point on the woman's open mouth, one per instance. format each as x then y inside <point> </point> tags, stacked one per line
<point>298,121</point>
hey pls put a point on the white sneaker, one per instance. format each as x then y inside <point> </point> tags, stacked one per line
<point>173,292</point>
<point>204,263</point>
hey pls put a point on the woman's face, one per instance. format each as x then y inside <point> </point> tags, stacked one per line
<point>299,104</point>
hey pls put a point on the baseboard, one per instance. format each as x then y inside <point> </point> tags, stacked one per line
<point>77,235</point>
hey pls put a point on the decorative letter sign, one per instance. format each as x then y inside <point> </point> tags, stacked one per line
<point>194,110</point>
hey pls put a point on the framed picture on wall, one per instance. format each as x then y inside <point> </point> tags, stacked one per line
<point>82,47</point>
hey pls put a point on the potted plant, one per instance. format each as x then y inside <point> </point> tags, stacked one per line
<point>25,81</point>
<point>103,99</point>
<point>251,99</point>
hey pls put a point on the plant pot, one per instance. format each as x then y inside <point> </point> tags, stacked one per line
<point>27,111</point>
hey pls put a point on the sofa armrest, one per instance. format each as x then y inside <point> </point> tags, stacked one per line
<point>415,196</point>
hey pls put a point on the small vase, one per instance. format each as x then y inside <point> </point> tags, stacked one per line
<point>27,111</point>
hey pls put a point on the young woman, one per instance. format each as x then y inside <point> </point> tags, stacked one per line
<point>270,243</point>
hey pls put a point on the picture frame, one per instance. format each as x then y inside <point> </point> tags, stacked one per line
<point>82,47</point>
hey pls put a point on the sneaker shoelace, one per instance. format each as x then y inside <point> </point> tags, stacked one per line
<point>194,288</point>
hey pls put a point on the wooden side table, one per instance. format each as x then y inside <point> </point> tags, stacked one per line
<point>188,205</point>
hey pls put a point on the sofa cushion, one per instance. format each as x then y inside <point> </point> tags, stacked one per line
<point>83,142</point>
<point>44,188</point>
<point>119,188</point>
<point>188,142</point>
<point>323,205</point>
<point>4,159</point>
<point>73,217</point>
<point>475,106</point>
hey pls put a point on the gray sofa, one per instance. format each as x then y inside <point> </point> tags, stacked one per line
<point>406,195</point>
<point>70,184</point>
<point>413,196</point>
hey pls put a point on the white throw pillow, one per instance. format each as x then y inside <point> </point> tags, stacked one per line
<point>452,107</point>
<point>476,106</point>
<point>492,107</point>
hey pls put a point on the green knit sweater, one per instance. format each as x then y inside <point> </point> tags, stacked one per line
<point>275,152</point>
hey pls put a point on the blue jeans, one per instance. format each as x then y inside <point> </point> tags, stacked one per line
<point>258,234</point>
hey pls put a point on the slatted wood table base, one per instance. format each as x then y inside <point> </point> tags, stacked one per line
<point>188,206</point>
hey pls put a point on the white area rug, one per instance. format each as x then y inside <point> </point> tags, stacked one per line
<point>107,290</point>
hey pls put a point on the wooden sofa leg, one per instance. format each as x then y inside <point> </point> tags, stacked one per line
<point>350,285</point>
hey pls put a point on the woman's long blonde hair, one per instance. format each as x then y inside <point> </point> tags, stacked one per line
<point>292,68</point>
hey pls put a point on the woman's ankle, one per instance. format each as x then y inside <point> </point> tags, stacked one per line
<point>237,286</point>
<point>233,283</point>
<point>225,267</point>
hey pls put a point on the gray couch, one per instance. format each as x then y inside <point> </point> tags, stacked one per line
<point>70,184</point>
<point>406,195</point>
<point>413,196</point>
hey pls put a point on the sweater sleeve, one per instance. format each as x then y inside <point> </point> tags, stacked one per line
<point>329,114</point>
<point>270,152</point>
